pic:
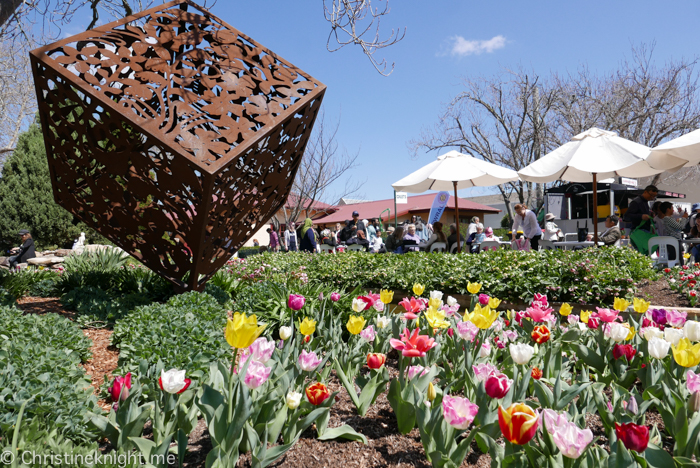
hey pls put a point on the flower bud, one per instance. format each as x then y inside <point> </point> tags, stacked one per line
<point>694,403</point>
<point>293,399</point>
<point>432,394</point>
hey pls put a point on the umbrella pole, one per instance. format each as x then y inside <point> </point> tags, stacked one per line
<point>595,208</point>
<point>459,247</point>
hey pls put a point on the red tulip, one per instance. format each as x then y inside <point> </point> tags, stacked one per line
<point>633,436</point>
<point>518,423</point>
<point>375,360</point>
<point>497,385</point>
<point>541,334</point>
<point>412,345</point>
<point>536,373</point>
<point>624,350</point>
<point>593,323</point>
<point>119,391</point>
<point>317,393</point>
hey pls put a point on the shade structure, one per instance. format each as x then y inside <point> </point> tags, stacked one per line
<point>683,151</point>
<point>590,156</point>
<point>454,170</point>
<point>452,167</point>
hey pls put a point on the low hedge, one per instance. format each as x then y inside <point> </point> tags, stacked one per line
<point>40,358</point>
<point>583,276</point>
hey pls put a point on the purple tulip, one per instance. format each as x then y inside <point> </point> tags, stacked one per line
<point>335,297</point>
<point>659,316</point>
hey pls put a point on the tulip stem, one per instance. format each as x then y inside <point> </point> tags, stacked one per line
<point>230,385</point>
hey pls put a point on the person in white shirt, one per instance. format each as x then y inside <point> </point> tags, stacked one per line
<point>526,221</point>
<point>473,225</point>
<point>551,230</point>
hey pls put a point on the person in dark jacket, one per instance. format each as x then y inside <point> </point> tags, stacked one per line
<point>638,209</point>
<point>452,238</point>
<point>23,252</point>
<point>394,242</point>
<point>308,239</point>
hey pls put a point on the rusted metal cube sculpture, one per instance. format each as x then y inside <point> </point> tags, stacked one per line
<point>173,134</point>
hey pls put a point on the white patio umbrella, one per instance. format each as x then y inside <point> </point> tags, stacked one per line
<point>683,151</point>
<point>455,170</point>
<point>589,156</point>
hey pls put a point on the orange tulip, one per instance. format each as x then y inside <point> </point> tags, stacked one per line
<point>518,423</point>
<point>541,334</point>
<point>317,393</point>
<point>375,360</point>
<point>536,373</point>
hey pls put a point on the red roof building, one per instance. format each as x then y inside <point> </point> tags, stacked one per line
<point>418,205</point>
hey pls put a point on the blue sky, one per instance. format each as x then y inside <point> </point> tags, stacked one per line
<point>380,115</point>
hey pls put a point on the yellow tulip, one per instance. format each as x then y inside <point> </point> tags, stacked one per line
<point>241,331</point>
<point>307,326</point>
<point>510,313</point>
<point>686,256</point>
<point>473,288</point>
<point>356,324</point>
<point>640,305</point>
<point>585,315</point>
<point>685,354</point>
<point>418,289</point>
<point>436,318</point>
<point>435,302</point>
<point>565,309</point>
<point>494,303</point>
<point>386,296</point>
<point>631,329</point>
<point>432,393</point>
<point>621,304</point>
<point>482,317</point>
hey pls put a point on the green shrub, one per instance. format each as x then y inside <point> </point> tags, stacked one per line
<point>221,296</point>
<point>588,275</point>
<point>96,269</point>
<point>97,308</point>
<point>40,357</point>
<point>187,332</point>
<point>22,282</point>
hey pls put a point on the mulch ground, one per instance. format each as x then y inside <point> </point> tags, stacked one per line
<point>386,447</point>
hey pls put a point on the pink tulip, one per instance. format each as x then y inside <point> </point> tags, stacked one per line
<point>675,318</point>
<point>261,350</point>
<point>484,371</point>
<point>519,316</point>
<point>484,299</point>
<point>368,334</point>
<point>308,361</point>
<point>409,316</point>
<point>413,305</point>
<point>593,323</point>
<point>296,301</point>
<point>414,371</point>
<point>572,319</point>
<point>538,314</point>
<point>119,391</point>
<point>692,381</point>
<point>256,375</point>
<point>335,297</point>
<point>458,412</point>
<point>607,315</point>
<point>497,385</point>
<point>541,299</point>
<point>467,330</point>
<point>571,440</point>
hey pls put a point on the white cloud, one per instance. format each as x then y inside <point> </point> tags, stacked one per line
<point>462,47</point>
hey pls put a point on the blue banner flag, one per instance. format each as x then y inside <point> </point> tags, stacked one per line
<point>438,207</point>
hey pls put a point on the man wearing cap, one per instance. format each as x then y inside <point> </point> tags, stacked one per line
<point>358,224</point>
<point>25,251</point>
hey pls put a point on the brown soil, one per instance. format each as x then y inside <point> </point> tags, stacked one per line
<point>658,293</point>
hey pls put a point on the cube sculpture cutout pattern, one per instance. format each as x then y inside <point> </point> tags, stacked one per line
<point>173,134</point>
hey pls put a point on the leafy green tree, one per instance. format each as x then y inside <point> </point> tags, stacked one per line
<point>26,197</point>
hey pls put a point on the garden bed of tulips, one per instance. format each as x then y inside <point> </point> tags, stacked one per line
<point>325,375</point>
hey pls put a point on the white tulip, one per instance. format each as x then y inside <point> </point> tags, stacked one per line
<point>692,330</point>
<point>582,326</point>
<point>173,381</point>
<point>293,399</point>
<point>673,335</point>
<point>436,295</point>
<point>451,301</point>
<point>658,348</point>
<point>618,332</point>
<point>652,332</point>
<point>521,352</point>
<point>358,305</point>
<point>382,322</point>
<point>285,333</point>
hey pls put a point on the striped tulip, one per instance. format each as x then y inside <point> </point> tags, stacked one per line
<point>518,423</point>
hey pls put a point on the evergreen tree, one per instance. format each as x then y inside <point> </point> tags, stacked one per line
<point>26,197</point>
